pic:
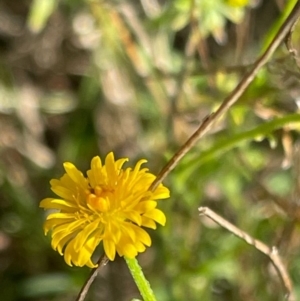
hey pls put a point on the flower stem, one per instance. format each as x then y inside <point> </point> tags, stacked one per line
<point>140,280</point>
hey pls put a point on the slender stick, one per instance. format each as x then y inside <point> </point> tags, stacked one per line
<point>232,97</point>
<point>85,288</point>
<point>272,253</point>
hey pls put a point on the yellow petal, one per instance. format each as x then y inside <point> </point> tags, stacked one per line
<point>142,235</point>
<point>50,203</point>
<point>61,191</point>
<point>112,231</point>
<point>148,222</point>
<point>110,168</point>
<point>85,234</point>
<point>69,253</point>
<point>133,216</point>
<point>85,253</point>
<point>137,168</point>
<point>61,215</point>
<point>54,222</point>
<point>95,174</point>
<point>161,192</point>
<point>156,215</point>
<point>119,163</point>
<point>109,249</point>
<point>76,175</point>
<point>145,206</point>
<point>96,163</point>
<point>128,232</point>
<point>140,247</point>
<point>127,250</point>
<point>59,239</point>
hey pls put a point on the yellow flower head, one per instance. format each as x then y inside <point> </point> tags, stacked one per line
<point>111,205</point>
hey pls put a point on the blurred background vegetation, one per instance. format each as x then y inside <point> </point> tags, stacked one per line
<point>80,78</point>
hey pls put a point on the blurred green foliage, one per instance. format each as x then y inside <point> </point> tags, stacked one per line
<point>82,78</point>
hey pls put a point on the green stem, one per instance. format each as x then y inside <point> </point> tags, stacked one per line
<point>231,142</point>
<point>140,280</point>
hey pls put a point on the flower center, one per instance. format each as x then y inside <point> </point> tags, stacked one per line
<point>98,199</point>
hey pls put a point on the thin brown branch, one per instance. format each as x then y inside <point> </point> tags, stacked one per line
<point>85,288</point>
<point>272,252</point>
<point>232,97</point>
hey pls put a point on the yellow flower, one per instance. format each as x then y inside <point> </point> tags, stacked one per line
<point>111,205</point>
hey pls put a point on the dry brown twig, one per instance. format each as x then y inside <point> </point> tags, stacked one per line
<point>85,288</point>
<point>204,127</point>
<point>272,252</point>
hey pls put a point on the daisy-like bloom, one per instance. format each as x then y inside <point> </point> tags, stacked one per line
<point>111,205</point>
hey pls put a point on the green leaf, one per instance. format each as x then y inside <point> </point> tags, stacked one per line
<point>230,142</point>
